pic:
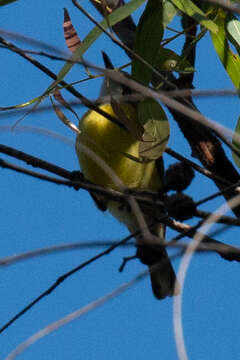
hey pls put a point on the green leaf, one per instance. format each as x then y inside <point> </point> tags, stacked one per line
<point>233,32</point>
<point>148,37</point>
<point>169,11</point>
<point>6,2</point>
<point>236,144</point>
<point>63,118</point>
<point>156,129</point>
<point>192,10</point>
<point>37,99</point>
<point>59,98</point>
<point>168,60</point>
<point>230,61</point>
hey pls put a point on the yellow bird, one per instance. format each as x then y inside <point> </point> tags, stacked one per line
<point>111,143</point>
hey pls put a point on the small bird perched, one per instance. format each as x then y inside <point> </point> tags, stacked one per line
<point>115,145</point>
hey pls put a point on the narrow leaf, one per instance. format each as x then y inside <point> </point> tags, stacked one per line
<point>230,61</point>
<point>169,11</point>
<point>29,111</point>
<point>70,34</point>
<point>168,60</point>
<point>148,37</point>
<point>63,118</point>
<point>156,126</point>
<point>105,10</point>
<point>192,10</point>
<point>233,32</point>
<point>58,97</point>
<point>23,105</point>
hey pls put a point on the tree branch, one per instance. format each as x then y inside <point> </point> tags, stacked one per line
<point>227,252</point>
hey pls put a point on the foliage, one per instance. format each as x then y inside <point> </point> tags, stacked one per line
<point>161,75</point>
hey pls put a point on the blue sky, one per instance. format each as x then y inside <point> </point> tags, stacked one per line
<point>36,214</point>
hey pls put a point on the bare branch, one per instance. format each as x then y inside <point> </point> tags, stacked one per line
<point>9,260</point>
<point>222,220</point>
<point>35,162</point>
<point>7,165</point>
<point>63,278</point>
<point>227,252</point>
<point>82,311</point>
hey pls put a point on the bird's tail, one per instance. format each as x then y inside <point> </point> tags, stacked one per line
<point>163,278</point>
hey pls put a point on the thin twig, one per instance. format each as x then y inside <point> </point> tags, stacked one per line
<point>63,278</point>
<point>35,162</point>
<point>33,42</point>
<point>228,220</point>
<point>227,252</point>
<point>9,260</point>
<point>7,165</point>
<point>234,187</point>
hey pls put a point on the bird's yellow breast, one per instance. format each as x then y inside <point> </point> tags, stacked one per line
<point>111,142</point>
